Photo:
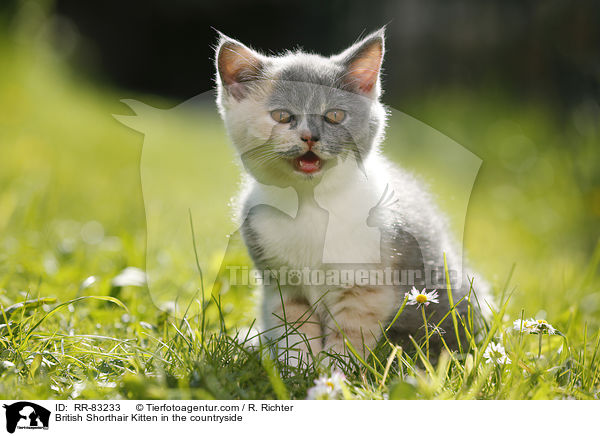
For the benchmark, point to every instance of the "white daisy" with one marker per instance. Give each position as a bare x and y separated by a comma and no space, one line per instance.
496,353
421,297
522,325
327,388
534,326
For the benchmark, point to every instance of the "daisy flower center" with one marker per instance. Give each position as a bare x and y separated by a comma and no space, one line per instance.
330,385
421,298
542,321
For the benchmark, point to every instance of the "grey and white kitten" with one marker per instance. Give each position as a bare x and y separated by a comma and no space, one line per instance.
320,198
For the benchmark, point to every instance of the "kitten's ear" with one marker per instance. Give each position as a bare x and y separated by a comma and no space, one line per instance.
236,66
362,63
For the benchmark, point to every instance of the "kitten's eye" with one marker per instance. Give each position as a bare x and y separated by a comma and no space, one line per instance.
281,116
335,116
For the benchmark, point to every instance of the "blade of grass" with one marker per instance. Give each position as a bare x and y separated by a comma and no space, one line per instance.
75,300
451,302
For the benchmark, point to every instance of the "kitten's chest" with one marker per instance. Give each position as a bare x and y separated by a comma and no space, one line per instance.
283,240
333,233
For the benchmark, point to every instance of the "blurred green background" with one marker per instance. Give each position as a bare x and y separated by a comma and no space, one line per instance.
520,96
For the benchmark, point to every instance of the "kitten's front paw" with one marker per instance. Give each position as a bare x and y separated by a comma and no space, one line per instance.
248,338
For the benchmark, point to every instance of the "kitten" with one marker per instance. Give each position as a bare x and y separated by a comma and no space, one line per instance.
321,199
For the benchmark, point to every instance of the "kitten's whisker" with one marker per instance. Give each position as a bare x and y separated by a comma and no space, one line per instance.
382,196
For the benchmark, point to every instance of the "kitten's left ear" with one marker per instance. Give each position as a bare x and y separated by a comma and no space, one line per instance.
362,63
237,65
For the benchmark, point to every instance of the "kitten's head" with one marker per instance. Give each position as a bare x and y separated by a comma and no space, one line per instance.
293,117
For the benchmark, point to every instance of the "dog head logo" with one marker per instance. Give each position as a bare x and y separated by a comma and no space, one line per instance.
24,414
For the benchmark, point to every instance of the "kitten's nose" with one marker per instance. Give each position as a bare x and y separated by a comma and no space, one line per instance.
309,138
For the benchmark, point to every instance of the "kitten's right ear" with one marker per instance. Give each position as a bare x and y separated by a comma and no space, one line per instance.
236,66
362,64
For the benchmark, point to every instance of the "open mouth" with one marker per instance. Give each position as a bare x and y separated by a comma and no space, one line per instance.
308,163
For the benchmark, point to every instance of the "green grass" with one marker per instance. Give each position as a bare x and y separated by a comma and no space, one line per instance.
71,207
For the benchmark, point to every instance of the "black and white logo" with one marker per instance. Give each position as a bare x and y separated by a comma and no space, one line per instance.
26,415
